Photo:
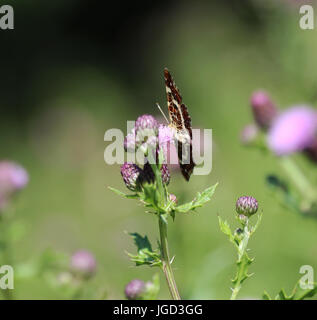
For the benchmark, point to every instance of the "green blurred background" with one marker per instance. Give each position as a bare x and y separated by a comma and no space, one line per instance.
73,69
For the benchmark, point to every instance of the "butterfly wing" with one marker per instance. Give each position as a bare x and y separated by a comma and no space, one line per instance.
181,121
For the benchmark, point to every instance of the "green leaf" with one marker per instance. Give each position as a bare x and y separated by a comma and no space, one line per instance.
122,194
145,255
141,242
150,196
199,201
298,293
266,296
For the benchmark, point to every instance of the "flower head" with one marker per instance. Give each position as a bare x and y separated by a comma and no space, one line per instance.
246,206
264,110
12,179
134,289
293,130
146,122
165,139
132,176
83,262
146,131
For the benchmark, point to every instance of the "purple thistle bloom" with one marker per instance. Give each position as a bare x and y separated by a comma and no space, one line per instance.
131,175
246,206
149,174
293,130
84,262
12,179
146,130
165,139
134,289
249,134
264,110
146,121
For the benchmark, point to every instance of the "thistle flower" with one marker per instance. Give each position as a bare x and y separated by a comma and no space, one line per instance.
146,130
134,289
165,139
12,179
146,122
132,176
246,206
293,130
83,262
249,134
149,175
264,110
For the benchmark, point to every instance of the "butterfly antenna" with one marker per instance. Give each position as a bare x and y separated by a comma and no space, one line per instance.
162,113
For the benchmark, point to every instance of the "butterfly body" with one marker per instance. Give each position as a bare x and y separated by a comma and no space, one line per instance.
180,121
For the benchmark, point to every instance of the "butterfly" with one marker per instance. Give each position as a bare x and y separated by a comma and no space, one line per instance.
180,121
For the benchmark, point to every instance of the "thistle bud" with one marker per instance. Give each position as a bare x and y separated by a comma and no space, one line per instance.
264,110
134,289
246,206
132,175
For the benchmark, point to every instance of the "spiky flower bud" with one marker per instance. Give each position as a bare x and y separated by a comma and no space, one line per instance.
134,289
264,110
132,176
149,175
246,206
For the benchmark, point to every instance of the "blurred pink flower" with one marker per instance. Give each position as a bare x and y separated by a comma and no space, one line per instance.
84,262
263,108
13,178
249,134
293,130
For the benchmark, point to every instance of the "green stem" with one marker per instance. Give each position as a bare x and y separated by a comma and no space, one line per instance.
242,263
167,268
6,250
299,179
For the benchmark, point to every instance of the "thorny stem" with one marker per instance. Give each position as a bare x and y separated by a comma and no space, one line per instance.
167,268
299,179
242,262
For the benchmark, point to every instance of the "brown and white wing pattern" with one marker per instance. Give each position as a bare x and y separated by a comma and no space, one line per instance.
181,122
